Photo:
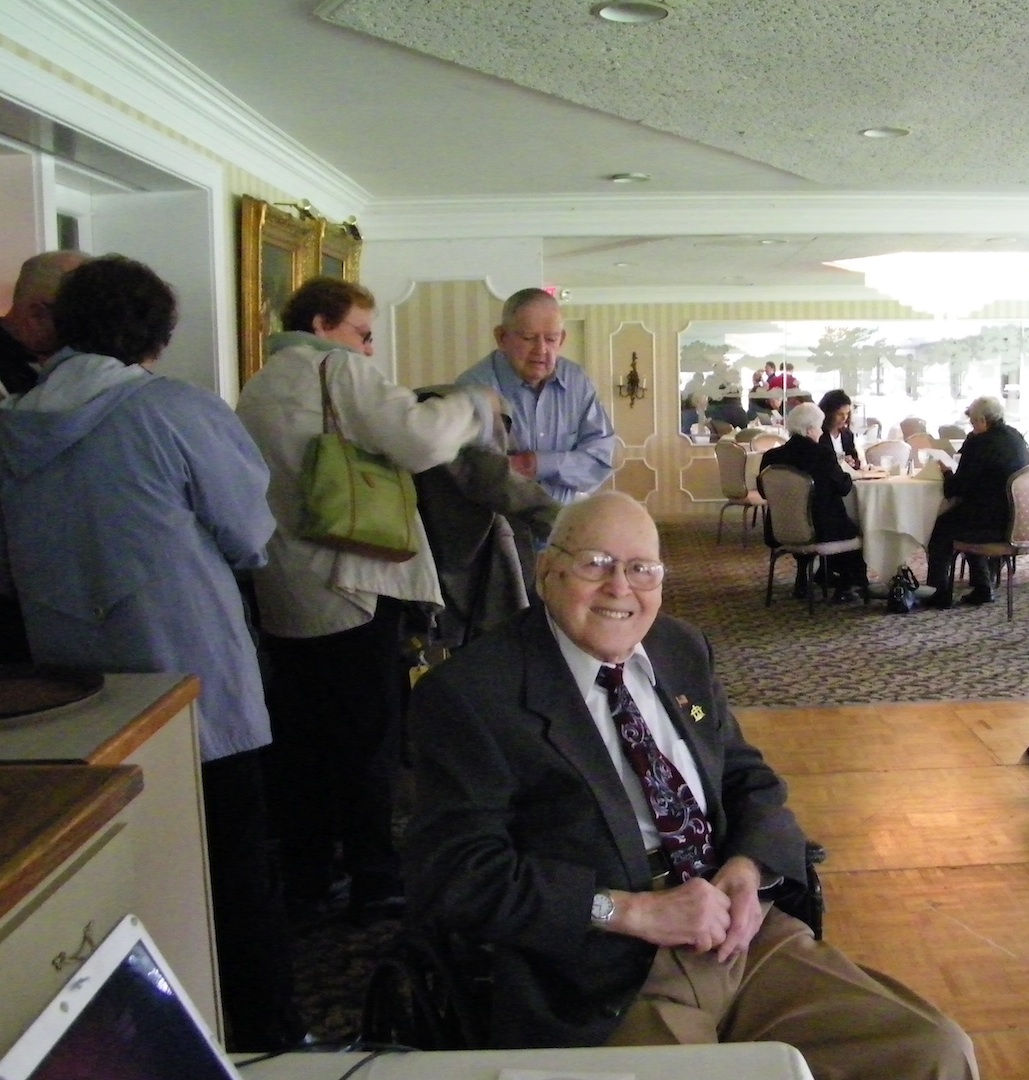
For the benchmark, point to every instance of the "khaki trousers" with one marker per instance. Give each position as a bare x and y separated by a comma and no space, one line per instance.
850,1023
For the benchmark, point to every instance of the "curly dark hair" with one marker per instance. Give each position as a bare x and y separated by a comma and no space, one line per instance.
832,401
116,307
329,297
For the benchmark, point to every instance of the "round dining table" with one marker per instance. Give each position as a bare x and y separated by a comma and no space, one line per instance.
896,515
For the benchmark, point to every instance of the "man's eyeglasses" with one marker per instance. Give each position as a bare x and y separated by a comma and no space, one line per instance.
592,565
366,335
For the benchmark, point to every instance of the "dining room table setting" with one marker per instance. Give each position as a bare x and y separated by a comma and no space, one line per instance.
895,512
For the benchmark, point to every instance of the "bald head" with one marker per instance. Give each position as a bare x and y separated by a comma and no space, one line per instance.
29,319
600,576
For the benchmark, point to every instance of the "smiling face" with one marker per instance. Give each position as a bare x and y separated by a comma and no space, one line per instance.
532,341
606,618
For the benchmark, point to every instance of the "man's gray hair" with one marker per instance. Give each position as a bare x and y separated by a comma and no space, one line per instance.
989,409
522,299
41,274
802,418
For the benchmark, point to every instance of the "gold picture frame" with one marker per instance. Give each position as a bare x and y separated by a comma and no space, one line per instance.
278,252
339,250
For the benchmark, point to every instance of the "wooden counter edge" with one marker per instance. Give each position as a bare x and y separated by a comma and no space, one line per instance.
72,804
152,719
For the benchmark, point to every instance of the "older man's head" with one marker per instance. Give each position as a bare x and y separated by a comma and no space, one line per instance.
805,419
984,412
29,320
600,577
530,335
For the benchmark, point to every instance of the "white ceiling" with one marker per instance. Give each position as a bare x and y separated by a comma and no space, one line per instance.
746,114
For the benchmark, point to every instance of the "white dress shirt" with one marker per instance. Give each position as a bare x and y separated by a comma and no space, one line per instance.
638,675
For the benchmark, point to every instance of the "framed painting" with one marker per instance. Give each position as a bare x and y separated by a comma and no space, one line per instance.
278,252
340,250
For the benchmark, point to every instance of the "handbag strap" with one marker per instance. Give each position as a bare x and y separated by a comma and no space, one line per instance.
330,417
908,577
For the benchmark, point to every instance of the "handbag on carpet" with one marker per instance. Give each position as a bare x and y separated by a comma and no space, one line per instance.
900,598
353,500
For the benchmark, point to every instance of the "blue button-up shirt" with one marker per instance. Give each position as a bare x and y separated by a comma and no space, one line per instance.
563,424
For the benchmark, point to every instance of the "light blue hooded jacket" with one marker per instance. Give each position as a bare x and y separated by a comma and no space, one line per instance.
127,501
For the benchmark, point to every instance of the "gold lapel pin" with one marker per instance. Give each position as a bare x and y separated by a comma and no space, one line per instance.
697,713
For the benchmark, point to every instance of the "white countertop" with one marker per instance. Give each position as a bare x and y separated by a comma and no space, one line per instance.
725,1061
74,732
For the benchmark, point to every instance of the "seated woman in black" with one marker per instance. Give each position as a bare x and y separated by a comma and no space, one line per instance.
836,427
805,452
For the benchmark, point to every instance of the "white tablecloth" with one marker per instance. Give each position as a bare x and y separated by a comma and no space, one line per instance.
896,516
727,1061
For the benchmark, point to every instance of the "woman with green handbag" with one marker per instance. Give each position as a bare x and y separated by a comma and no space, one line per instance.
331,617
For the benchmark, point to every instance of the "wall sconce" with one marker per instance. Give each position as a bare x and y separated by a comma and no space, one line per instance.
631,385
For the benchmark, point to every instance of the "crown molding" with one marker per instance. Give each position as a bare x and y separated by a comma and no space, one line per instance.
94,41
711,214
722,294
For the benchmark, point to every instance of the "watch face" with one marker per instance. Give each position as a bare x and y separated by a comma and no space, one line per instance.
603,907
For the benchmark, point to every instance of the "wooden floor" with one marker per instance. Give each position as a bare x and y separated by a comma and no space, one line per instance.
924,810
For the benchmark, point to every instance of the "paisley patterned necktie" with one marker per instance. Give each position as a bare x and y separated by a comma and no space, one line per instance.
684,830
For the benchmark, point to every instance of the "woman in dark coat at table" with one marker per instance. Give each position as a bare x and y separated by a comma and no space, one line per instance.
805,451
836,433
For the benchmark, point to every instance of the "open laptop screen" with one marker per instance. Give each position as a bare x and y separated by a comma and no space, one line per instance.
122,1016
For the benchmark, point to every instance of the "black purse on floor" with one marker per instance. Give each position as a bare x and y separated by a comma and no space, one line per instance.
900,598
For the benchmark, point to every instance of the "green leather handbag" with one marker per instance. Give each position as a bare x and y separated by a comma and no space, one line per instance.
353,500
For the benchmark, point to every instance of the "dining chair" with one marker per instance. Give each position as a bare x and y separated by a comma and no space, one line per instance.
732,474
765,440
919,440
720,428
922,440
910,424
788,492
873,429
1017,541
952,431
896,449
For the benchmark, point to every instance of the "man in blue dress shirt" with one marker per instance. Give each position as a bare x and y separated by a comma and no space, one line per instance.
560,432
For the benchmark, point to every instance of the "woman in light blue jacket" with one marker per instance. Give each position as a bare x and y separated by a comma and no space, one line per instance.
128,502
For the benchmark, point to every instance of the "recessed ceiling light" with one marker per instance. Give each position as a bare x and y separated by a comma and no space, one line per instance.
631,11
629,177
623,264
768,242
884,132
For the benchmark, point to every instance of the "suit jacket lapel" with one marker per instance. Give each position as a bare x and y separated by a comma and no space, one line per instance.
551,692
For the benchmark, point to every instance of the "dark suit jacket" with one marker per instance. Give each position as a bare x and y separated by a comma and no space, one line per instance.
981,481
831,484
846,439
520,817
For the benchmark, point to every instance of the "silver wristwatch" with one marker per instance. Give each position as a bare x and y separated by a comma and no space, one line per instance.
603,909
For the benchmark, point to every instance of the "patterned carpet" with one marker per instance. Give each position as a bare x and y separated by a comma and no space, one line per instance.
777,656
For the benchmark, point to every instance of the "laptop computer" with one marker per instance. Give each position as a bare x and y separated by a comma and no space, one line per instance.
122,1014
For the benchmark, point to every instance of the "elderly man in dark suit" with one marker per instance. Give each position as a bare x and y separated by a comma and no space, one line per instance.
587,803
831,521
989,455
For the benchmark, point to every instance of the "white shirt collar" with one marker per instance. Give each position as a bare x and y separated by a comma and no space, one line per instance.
584,667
